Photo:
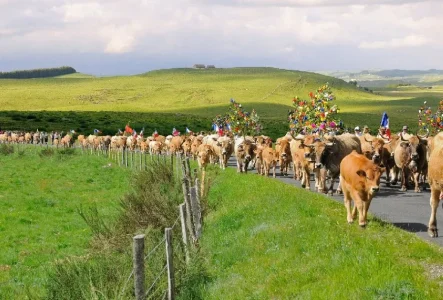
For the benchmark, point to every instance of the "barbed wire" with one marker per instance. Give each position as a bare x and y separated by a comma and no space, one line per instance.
175,223
155,248
126,282
156,279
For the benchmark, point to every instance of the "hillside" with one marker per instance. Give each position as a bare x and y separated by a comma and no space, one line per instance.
199,93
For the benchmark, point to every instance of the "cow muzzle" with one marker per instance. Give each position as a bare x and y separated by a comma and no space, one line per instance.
414,156
224,152
375,189
248,157
307,155
318,166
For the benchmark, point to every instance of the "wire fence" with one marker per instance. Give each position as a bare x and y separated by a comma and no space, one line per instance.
190,218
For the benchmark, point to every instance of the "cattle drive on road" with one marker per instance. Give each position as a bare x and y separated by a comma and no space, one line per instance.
359,161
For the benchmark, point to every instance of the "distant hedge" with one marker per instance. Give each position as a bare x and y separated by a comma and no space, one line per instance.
37,73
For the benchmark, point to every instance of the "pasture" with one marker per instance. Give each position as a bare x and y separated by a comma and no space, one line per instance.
39,223
196,96
267,240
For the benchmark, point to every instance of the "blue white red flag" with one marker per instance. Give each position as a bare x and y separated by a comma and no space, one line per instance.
187,130
385,123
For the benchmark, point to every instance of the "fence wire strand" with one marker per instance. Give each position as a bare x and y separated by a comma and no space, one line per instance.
156,279
176,222
126,282
155,248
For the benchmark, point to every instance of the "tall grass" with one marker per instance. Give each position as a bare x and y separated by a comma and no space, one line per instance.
149,207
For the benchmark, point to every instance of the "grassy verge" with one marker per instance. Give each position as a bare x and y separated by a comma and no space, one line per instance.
267,240
39,199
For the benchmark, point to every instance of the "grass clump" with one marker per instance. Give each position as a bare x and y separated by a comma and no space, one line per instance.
148,208
6,149
47,152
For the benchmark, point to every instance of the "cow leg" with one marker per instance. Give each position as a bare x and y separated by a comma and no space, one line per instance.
404,179
331,186
239,166
416,182
360,205
273,169
435,200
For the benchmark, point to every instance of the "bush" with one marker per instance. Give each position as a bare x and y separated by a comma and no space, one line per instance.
6,149
46,152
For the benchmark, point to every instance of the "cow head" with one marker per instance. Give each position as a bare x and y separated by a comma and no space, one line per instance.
225,146
322,152
377,146
413,143
284,149
371,178
248,148
204,153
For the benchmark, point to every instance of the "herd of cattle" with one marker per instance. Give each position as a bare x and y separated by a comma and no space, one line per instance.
358,162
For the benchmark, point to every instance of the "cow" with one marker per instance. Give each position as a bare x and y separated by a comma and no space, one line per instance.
186,146
196,142
376,149
435,177
283,152
203,156
329,154
225,150
268,160
410,156
244,152
175,145
392,172
302,157
360,180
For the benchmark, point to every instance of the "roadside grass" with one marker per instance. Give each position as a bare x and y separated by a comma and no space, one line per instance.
39,223
267,240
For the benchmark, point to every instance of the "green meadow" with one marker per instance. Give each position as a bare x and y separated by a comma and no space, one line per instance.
188,97
264,239
40,196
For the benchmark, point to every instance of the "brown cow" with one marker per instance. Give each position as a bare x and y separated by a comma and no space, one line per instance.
269,160
410,156
186,146
203,156
283,152
195,145
175,145
329,154
302,157
360,180
225,150
244,152
435,175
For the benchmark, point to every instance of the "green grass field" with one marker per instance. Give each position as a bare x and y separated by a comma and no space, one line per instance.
268,240
199,94
39,222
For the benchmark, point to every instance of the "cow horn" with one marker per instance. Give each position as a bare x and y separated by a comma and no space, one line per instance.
299,137
368,141
423,136
329,144
387,141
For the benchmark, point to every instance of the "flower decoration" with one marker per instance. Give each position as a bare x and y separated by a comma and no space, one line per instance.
240,121
315,114
430,121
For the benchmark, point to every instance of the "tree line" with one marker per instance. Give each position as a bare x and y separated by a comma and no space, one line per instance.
38,73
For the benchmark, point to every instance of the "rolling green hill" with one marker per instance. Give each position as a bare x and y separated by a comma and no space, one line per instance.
200,94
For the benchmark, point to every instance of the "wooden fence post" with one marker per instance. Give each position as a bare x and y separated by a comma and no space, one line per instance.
184,234
187,197
169,263
139,266
196,211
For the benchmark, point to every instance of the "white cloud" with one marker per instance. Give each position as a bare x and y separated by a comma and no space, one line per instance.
274,30
408,41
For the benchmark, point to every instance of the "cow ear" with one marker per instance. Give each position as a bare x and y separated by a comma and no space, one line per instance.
361,173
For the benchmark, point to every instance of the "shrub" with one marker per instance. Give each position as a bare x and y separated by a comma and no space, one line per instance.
6,149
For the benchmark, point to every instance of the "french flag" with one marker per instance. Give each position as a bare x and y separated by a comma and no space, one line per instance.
385,123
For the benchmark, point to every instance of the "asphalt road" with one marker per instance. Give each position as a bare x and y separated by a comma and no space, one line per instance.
409,210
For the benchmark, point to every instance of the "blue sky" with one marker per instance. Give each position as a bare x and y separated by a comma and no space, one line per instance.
133,36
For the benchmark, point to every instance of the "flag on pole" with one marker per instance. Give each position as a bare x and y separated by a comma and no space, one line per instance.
141,132
96,131
385,123
155,134
134,133
175,132
128,129
187,130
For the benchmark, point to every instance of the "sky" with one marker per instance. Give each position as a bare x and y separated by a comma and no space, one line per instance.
111,37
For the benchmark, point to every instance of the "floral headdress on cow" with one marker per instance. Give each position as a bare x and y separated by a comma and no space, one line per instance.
318,114
427,121
242,122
